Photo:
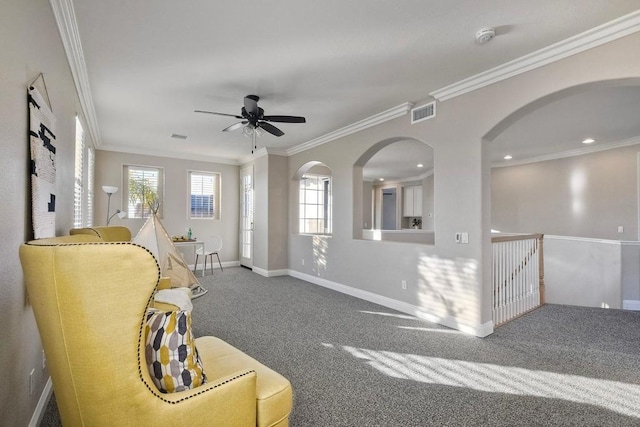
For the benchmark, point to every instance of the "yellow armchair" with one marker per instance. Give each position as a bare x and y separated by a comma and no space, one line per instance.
89,299
112,233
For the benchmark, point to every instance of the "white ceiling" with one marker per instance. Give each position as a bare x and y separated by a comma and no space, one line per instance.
399,162
151,63
609,115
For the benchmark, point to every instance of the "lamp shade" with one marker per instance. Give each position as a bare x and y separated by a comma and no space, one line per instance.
109,189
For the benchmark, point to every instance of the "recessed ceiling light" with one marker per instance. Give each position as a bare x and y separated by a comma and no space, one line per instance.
381,179
420,165
508,157
588,141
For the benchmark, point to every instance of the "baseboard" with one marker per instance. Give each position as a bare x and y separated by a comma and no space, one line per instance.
216,266
230,264
270,273
630,304
41,407
479,330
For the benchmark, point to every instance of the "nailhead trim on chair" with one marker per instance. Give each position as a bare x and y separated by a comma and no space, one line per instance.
204,388
153,391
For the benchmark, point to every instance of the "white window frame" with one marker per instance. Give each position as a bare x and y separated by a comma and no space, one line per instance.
89,199
83,178
134,212
79,212
216,193
322,208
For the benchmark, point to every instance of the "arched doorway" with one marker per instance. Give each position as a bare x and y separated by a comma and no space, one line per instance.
572,173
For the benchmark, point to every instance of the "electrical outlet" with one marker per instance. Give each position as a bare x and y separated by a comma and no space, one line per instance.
404,284
31,382
302,261
620,229
464,238
458,237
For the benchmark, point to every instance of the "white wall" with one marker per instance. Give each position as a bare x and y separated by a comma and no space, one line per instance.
278,212
583,196
367,205
441,281
428,205
630,275
271,212
175,219
30,44
449,281
583,272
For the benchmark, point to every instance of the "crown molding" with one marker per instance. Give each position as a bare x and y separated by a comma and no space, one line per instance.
420,177
68,28
569,153
613,30
262,152
376,119
276,151
170,154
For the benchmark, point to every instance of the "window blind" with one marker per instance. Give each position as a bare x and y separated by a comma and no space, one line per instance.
203,193
78,176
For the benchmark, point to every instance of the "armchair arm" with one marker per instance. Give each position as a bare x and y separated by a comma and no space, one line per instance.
112,233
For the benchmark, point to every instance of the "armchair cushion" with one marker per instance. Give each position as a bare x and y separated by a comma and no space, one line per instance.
171,353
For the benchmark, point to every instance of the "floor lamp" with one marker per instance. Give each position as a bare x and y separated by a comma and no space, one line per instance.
109,190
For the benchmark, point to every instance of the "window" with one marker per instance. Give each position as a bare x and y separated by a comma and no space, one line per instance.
91,167
78,187
315,204
83,180
204,195
143,188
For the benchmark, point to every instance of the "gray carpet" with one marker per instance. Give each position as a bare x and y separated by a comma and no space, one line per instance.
354,363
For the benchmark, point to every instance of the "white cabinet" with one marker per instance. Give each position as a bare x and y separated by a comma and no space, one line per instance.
412,201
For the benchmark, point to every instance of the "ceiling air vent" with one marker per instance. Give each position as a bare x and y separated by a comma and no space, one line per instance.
178,136
424,112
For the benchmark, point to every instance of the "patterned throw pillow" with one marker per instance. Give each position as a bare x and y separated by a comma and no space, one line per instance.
171,352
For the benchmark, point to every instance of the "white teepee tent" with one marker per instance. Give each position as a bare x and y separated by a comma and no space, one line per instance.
154,237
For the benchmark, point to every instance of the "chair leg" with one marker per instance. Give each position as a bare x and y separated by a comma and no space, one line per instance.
218,260
195,265
211,264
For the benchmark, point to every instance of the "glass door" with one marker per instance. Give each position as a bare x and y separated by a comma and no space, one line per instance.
246,217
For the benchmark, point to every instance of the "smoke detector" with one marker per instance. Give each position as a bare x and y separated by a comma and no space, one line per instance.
485,35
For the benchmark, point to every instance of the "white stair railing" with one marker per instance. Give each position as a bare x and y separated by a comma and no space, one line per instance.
517,276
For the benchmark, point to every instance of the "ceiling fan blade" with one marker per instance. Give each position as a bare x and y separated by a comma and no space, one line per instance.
270,128
218,114
251,104
235,126
285,119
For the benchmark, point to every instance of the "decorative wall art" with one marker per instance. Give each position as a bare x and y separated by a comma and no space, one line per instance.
42,138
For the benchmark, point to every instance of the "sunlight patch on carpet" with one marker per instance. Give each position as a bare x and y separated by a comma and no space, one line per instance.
617,396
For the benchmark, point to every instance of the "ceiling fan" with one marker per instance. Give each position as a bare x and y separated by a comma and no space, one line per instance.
253,117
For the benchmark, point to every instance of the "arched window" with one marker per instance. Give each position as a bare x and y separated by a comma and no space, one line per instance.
314,199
